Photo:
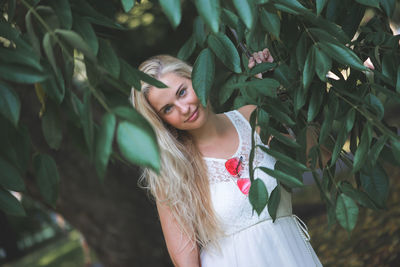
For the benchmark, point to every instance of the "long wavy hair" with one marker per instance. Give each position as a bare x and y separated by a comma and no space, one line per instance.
182,183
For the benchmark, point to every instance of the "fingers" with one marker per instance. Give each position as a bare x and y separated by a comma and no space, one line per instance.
252,63
259,57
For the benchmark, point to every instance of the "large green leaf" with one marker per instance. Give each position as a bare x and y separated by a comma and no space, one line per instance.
309,68
199,30
270,21
47,177
258,195
187,49
54,86
343,55
323,63
10,106
340,140
284,159
76,41
315,104
127,5
273,202
172,8
203,75
265,87
262,67
360,196
84,28
346,212
48,50
226,90
63,12
209,10
283,177
31,32
138,145
376,183
371,3
129,75
148,79
52,126
225,50
320,5
108,58
389,6
21,74
290,6
9,204
10,177
104,143
245,10
362,149
23,55
376,105
376,149
330,113
301,51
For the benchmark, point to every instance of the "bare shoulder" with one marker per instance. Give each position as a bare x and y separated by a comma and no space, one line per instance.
247,110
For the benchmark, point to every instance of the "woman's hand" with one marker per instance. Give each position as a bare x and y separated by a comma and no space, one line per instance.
259,57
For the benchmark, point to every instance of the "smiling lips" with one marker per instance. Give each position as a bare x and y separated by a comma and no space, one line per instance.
194,116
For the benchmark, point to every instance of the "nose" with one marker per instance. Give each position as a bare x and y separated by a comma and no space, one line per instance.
183,107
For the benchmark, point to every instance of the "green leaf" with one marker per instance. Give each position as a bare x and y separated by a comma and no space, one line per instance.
93,16
282,138
398,80
395,148
21,74
172,8
187,49
376,105
376,183
209,10
52,126
262,67
350,119
376,149
104,143
315,104
10,106
148,79
389,6
273,202
346,212
76,41
129,75
323,63
84,28
47,177
371,3
290,6
245,11
203,75
271,22
63,12
227,90
284,159
320,5
108,58
31,32
138,144
309,68
9,204
343,55
127,5
263,118
265,87
54,86
199,31
10,178
361,197
283,177
362,149
258,195
330,113
48,50
340,140
301,51
225,50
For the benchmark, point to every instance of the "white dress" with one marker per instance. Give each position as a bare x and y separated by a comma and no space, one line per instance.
251,240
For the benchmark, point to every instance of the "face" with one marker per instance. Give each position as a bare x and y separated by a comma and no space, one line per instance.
178,104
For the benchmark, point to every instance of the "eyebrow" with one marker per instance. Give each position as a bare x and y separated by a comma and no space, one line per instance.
176,93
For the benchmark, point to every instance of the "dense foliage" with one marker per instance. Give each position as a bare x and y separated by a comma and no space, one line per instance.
58,49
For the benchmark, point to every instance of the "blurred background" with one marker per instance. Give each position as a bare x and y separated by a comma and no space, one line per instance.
45,238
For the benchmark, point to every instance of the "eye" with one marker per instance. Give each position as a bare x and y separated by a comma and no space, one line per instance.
182,92
167,109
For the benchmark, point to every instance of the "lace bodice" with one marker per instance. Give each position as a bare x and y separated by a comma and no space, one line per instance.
231,206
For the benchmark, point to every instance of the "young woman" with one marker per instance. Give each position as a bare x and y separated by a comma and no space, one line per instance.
202,189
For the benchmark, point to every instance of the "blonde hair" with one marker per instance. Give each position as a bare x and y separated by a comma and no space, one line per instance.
182,183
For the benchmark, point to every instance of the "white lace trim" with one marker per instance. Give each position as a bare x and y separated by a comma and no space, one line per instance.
216,167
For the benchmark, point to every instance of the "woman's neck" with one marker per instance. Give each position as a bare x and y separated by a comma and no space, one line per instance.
212,129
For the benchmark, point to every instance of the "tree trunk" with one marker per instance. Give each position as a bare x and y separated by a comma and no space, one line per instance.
117,218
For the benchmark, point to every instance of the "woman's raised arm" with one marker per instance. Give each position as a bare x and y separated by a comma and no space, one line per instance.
182,249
